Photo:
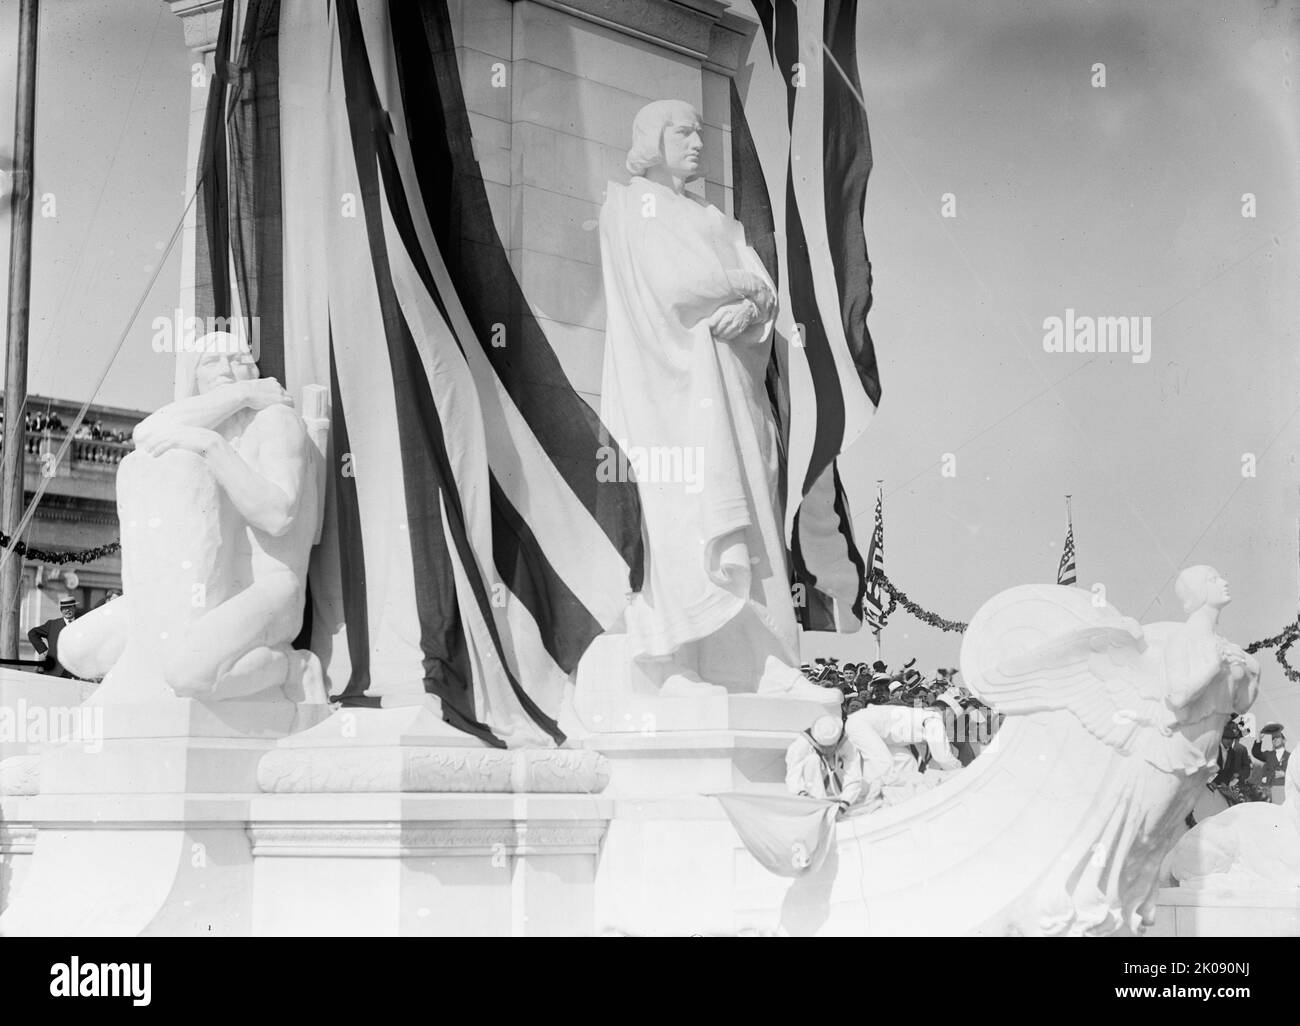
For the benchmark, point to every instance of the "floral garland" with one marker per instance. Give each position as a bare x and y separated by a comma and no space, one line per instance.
1283,642
899,597
60,558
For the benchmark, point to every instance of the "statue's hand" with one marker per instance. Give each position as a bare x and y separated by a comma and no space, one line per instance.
1230,654
730,321
199,441
752,287
260,393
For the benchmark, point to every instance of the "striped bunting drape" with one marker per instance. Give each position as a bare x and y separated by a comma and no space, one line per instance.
800,186
469,551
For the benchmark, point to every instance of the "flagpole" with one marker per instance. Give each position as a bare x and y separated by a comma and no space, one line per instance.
880,499
20,287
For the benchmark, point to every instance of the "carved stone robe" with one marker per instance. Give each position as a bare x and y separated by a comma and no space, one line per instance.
715,546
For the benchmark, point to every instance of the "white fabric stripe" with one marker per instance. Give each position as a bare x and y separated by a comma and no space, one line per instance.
457,400
462,420
766,93
366,387
495,703
305,51
577,548
458,411
806,146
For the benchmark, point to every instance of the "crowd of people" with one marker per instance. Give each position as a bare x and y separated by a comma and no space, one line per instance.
40,424
899,733
39,421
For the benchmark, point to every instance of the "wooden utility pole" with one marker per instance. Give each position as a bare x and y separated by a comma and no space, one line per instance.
20,288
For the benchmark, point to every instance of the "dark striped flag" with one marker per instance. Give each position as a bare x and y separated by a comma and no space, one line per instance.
469,551
873,605
1065,572
801,156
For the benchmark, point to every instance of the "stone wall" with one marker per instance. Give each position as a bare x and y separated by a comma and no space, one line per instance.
552,89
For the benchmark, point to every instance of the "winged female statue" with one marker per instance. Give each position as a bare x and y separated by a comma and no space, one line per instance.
1155,698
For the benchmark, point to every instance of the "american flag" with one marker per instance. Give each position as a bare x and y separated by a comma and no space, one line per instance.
872,607
1065,572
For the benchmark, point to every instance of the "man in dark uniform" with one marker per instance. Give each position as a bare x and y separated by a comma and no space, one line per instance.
45,638
1233,777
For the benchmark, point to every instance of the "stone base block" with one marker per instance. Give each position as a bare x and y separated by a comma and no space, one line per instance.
141,865
176,746
1193,912
35,707
612,713
426,865
691,763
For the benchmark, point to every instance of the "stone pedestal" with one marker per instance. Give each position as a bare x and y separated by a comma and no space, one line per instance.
143,832
1196,912
663,746
34,708
426,865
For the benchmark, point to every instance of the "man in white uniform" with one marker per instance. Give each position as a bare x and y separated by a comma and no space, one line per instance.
884,736
823,763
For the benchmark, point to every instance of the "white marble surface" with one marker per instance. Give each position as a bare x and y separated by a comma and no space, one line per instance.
1251,846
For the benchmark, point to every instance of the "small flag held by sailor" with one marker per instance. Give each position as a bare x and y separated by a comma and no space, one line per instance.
872,606
1065,572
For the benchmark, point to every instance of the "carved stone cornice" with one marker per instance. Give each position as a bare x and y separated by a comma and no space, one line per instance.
368,839
396,768
200,21
729,43
705,30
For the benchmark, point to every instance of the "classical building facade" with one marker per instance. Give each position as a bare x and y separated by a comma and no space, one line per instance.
78,509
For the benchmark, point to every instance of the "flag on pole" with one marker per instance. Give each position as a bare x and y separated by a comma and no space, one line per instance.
801,156
873,606
1065,573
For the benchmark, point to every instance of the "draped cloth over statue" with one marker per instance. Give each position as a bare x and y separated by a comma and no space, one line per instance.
672,394
468,554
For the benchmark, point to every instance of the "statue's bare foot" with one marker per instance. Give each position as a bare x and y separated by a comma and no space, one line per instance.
680,685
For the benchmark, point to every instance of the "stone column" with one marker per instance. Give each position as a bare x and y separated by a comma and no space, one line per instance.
200,20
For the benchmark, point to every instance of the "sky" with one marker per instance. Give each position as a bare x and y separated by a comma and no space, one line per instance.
1124,200
112,115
